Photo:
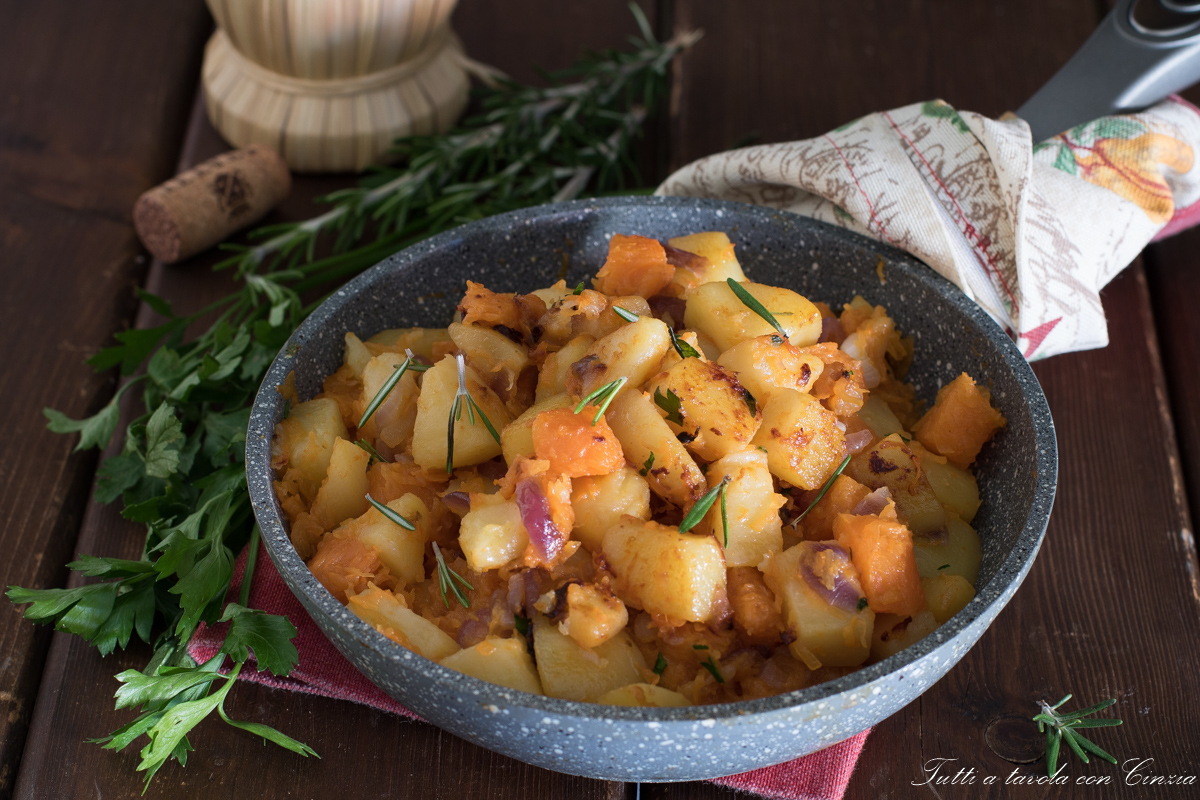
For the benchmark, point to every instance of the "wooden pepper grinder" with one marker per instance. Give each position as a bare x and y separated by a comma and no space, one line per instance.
330,83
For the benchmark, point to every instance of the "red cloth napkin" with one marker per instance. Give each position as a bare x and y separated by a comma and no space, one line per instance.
324,671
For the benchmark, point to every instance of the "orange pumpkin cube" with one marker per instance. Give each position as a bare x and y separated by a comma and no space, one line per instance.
960,423
635,265
573,445
842,497
882,552
344,566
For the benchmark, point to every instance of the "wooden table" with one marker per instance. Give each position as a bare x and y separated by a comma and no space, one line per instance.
98,104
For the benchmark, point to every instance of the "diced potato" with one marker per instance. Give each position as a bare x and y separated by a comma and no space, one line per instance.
752,508
891,463
576,445
755,613
715,311
960,423
594,615
894,632
505,662
552,294
601,501
473,444
716,247
397,340
304,442
824,634
767,363
646,695
357,355
714,407
955,488
393,421
632,351
946,595
635,265
402,551
804,446
673,575
573,672
388,614
497,359
843,496
516,439
952,552
882,421
643,433
882,552
552,380
343,494
492,534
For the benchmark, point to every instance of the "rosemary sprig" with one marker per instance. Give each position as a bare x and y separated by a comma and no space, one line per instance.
447,578
376,401
697,512
603,397
684,349
752,303
713,669
391,515
628,316
366,446
463,398
1064,727
824,489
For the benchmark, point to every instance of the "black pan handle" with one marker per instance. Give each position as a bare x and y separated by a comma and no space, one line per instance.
1143,51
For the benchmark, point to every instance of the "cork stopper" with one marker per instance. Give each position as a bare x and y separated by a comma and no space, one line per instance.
200,207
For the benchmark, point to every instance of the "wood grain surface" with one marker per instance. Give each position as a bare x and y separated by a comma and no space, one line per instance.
1109,608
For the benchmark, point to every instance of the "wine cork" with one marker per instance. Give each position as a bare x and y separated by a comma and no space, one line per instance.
200,207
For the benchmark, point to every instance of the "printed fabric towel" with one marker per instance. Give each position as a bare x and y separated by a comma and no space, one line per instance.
326,672
1032,233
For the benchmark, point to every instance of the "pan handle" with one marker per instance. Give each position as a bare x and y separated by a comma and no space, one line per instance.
1143,51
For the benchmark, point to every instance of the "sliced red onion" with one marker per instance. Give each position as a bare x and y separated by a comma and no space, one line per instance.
844,595
546,538
682,258
873,503
857,442
673,307
494,469
832,330
458,502
388,453
471,633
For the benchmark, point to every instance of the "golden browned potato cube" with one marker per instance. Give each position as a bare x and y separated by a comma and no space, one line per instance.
594,615
473,444
505,662
304,442
573,672
894,633
632,351
402,551
715,311
343,494
955,488
388,614
946,595
803,443
356,355
714,409
397,340
716,247
954,551
393,421
646,695
767,363
489,352
892,464
600,502
678,576
642,432
491,533
751,505
552,380
824,634
516,438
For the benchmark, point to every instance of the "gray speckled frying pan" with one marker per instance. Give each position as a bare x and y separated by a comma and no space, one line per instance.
534,247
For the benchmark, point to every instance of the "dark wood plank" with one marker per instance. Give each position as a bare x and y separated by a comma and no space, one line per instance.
376,752
85,126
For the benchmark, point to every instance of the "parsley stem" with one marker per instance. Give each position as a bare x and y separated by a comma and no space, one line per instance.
251,563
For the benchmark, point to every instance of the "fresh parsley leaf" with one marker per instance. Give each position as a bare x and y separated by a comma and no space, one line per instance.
117,475
163,435
751,403
660,665
141,689
94,431
713,669
578,288
269,635
682,347
646,467
133,610
520,624
862,603
669,403
97,567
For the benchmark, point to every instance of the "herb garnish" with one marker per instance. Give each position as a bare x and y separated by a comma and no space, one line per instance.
628,316
1064,727
821,494
751,403
713,669
697,512
862,603
699,647
604,397
392,516
463,398
751,303
660,665
578,289
521,624
943,566
669,403
366,446
646,467
390,383
447,578
682,347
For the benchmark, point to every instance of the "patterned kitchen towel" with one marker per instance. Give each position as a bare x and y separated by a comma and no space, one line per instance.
1030,232
326,672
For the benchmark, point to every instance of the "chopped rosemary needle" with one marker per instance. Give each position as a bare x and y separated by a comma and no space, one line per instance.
363,444
660,665
1064,727
409,363
943,566
628,316
463,398
447,578
697,512
752,303
713,669
684,349
699,647
824,489
390,514
602,397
